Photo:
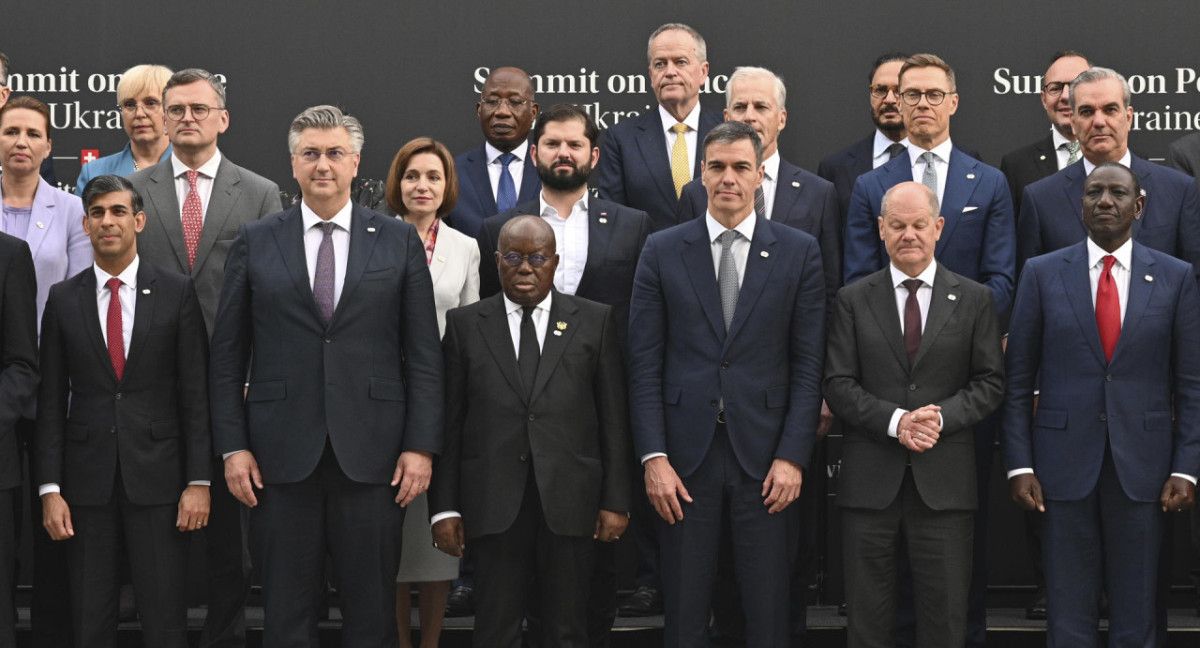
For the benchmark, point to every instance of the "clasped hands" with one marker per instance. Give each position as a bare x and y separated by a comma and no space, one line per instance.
920,429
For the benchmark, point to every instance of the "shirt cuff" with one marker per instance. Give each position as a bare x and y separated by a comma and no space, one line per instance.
444,515
1187,477
650,455
1022,471
53,488
895,422
200,482
230,454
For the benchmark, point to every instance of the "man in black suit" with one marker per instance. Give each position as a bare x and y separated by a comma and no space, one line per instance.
18,382
538,457
646,161
500,173
886,142
330,307
123,445
914,361
195,203
1060,148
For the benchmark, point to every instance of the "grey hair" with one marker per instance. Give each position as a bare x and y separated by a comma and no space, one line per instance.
192,75
325,118
747,72
1094,74
701,48
935,209
731,132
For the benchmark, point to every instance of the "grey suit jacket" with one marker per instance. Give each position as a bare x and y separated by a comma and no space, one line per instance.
238,197
959,367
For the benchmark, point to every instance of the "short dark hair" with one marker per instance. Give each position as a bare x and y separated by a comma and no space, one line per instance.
1137,182
192,75
566,112
29,103
106,184
395,197
1065,53
731,132
886,58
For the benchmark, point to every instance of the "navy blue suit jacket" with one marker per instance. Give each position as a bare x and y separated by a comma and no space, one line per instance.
475,198
978,240
635,170
803,201
1052,213
1086,402
767,366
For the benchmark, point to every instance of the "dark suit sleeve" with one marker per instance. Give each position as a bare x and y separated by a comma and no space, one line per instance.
489,275
1177,159
191,349
1029,231
687,209
612,404
19,357
997,263
1022,360
610,174
985,384
1189,227
230,354
1186,381
444,487
421,353
861,256
831,246
53,394
844,392
806,358
647,342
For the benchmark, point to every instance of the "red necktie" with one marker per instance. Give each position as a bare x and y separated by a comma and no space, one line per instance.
1108,309
116,334
193,218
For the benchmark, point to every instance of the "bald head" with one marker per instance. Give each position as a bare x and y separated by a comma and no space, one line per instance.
529,241
506,108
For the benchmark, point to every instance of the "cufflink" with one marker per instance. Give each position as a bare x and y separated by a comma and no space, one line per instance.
970,176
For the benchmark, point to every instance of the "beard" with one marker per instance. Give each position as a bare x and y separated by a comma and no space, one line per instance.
887,127
577,178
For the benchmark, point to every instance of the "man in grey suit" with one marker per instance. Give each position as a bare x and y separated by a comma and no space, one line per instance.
194,205
913,362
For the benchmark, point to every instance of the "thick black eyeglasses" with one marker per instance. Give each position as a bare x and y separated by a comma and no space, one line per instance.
535,260
934,97
1054,88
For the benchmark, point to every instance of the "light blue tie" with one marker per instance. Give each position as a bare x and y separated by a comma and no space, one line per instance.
506,191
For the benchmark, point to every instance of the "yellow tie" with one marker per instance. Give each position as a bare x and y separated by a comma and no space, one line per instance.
680,172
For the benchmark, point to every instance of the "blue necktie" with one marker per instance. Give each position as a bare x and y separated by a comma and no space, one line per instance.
506,191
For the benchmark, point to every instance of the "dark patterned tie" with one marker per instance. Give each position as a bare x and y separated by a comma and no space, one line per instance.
323,281
912,320
116,332
530,352
895,150
727,278
760,203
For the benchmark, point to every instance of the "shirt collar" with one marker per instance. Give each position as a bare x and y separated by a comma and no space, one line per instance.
926,275
1058,138
493,153
941,151
581,204
771,167
341,219
511,306
692,120
208,169
128,276
1126,161
745,228
882,143
1124,253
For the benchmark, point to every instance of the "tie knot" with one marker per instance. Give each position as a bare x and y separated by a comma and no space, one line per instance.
1109,260
680,128
192,176
928,157
113,284
327,227
1072,147
895,150
912,285
506,158
527,312
727,238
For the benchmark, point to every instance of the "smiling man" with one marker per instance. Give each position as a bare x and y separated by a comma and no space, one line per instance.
1101,119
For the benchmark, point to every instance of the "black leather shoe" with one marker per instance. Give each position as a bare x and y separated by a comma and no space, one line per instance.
1036,611
644,601
461,602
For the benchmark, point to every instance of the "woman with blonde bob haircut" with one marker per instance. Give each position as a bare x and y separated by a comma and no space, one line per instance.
139,96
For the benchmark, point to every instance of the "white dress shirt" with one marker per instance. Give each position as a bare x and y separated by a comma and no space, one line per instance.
515,312
1125,161
341,245
770,182
924,297
571,242
691,136
516,168
941,164
204,182
879,149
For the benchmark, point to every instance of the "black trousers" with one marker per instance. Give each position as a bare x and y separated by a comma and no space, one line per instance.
228,557
8,566
358,525
50,602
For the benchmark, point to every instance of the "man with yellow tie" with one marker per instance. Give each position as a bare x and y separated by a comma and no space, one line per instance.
646,161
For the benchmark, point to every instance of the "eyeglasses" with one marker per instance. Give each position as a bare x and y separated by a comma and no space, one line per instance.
535,260
312,155
1054,88
151,106
934,97
199,111
881,91
494,103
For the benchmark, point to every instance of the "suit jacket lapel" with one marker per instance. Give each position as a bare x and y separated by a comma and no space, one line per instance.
1046,161
960,184
1078,287
91,319
1073,188
438,265
480,182
651,144
882,303
165,201
493,326
289,238
225,192
1145,173
559,330
43,203
1141,290
941,307
530,183
864,162
787,189
362,241
599,236
698,260
759,265
143,313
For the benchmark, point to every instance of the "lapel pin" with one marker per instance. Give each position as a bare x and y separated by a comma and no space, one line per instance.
764,254
1042,157
1149,278
41,225
603,220
370,229
952,297
796,184
441,258
558,333
145,291
970,176
562,326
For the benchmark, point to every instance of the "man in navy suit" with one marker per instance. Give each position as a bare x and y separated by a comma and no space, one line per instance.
726,343
645,161
330,307
500,173
1107,329
1101,119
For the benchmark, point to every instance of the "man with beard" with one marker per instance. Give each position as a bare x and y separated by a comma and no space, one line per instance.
598,244
499,174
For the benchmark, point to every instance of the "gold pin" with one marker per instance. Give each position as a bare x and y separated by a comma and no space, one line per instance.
562,326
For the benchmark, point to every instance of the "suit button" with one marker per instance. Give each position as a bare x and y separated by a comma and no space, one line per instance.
531,417
112,430
118,396
524,457
1104,417
724,365
912,388
328,340
1108,378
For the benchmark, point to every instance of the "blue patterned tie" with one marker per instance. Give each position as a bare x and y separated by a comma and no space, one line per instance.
506,191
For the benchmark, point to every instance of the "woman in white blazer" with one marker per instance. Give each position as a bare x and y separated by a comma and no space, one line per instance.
422,188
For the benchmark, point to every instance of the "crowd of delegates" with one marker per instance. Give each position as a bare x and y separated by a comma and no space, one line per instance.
465,389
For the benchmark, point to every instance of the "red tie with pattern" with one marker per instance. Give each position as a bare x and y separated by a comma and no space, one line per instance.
193,217
116,334
1108,309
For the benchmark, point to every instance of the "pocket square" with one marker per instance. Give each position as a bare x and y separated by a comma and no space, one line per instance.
969,209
